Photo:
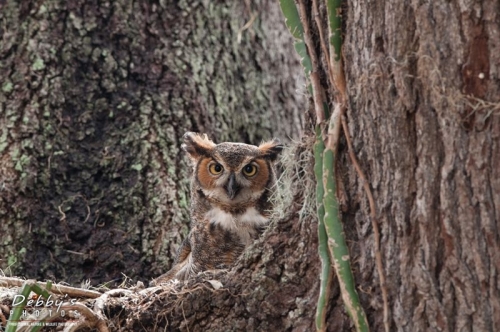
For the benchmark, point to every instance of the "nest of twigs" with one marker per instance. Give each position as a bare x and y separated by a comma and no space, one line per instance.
64,308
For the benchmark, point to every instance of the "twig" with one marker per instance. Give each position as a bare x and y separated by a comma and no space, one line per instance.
91,318
316,84
317,18
307,35
75,327
63,218
100,302
184,315
56,288
373,217
253,16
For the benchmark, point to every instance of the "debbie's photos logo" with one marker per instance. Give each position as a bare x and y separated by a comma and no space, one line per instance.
40,311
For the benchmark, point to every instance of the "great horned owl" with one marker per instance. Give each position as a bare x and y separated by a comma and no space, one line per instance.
230,205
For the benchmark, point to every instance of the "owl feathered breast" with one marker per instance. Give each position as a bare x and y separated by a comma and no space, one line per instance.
230,192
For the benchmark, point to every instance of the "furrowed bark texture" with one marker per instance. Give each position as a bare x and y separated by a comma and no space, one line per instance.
94,99
424,115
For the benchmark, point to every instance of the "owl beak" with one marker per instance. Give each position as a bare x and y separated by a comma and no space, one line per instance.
232,186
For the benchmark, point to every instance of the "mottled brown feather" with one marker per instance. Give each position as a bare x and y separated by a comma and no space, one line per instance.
271,149
197,145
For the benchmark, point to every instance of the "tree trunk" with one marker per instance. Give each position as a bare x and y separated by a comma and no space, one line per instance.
94,100
424,115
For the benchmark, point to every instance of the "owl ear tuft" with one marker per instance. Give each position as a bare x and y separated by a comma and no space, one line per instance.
197,145
271,149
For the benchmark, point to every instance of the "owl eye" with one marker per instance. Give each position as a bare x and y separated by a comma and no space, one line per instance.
249,170
215,168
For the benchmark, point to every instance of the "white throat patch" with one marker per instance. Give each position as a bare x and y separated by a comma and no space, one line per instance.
242,224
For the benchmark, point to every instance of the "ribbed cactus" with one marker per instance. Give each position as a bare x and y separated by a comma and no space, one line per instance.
332,245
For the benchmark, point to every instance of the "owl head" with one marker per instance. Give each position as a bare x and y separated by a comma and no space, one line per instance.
231,172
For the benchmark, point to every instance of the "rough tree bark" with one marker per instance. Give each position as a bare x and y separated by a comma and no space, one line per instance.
424,111
424,115
95,97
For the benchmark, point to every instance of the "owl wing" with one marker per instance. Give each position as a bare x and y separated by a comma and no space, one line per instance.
181,260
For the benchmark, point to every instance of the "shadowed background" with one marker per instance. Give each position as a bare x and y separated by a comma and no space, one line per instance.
95,98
